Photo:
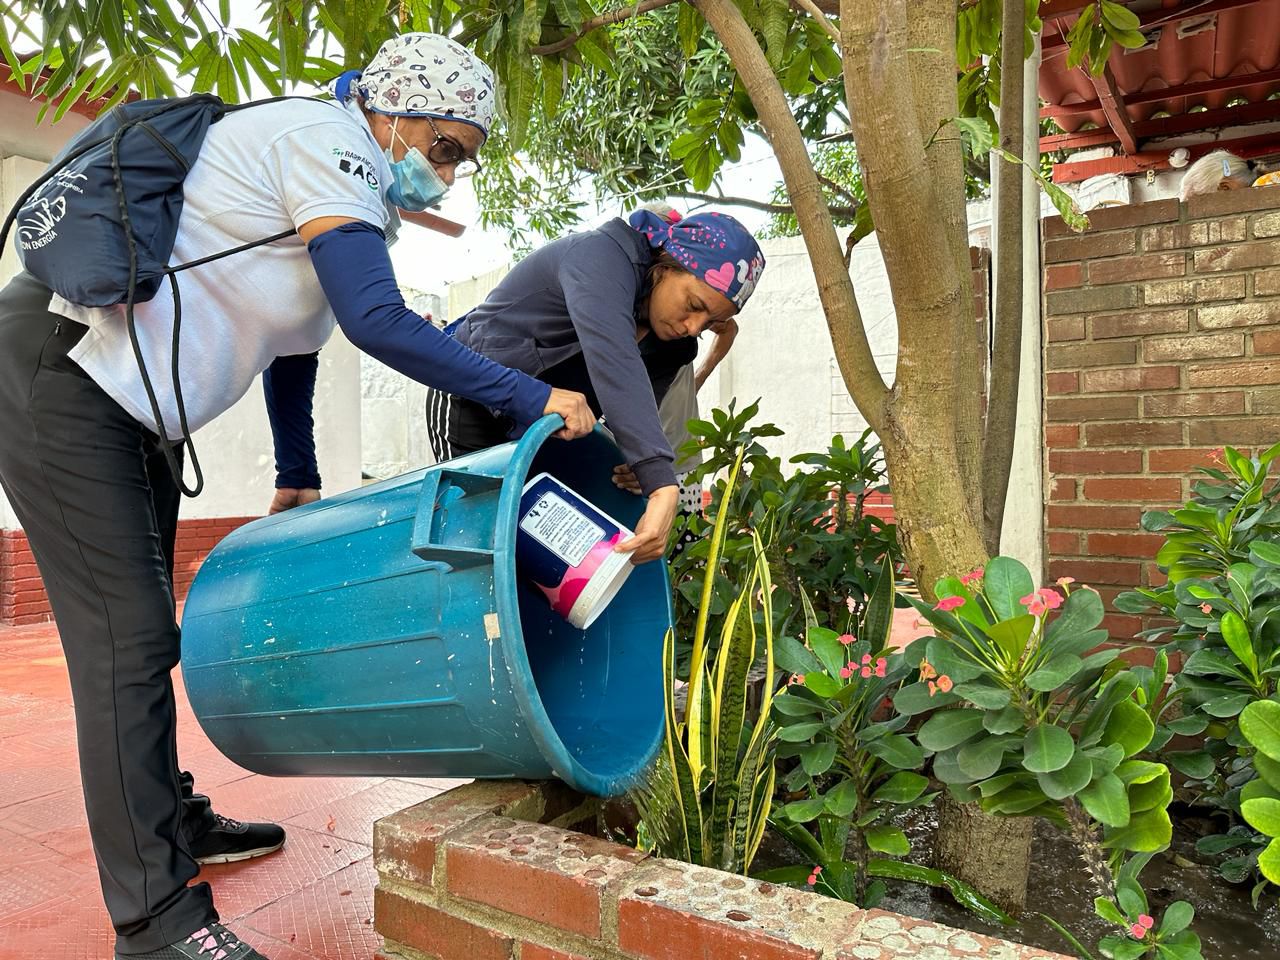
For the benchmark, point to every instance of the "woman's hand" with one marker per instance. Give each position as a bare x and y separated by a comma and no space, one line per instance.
573,407
287,498
624,478
654,528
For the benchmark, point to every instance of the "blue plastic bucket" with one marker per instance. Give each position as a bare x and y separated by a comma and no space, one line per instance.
388,632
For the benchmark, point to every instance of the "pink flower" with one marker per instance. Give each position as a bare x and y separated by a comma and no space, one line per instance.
847,638
1146,922
943,685
1034,604
947,604
1052,598
817,870
881,664
972,577
927,672
851,604
797,678
1136,931
866,658
813,879
846,672
1217,455
865,671
1066,581
1205,608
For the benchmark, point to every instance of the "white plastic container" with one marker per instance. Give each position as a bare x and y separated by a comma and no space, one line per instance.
564,547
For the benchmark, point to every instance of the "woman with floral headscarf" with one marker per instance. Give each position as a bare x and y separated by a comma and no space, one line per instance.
85,469
614,313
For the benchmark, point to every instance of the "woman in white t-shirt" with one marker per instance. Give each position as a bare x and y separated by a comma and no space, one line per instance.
84,466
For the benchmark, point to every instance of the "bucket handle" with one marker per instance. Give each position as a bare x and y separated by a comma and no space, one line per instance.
428,533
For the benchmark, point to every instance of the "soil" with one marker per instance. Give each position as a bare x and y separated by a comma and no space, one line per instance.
1228,925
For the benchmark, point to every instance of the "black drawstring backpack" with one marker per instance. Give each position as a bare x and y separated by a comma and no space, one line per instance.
99,225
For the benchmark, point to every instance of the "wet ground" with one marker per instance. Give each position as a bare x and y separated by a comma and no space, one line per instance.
1228,925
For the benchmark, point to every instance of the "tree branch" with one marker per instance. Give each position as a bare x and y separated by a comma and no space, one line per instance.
603,20
812,8
837,188
835,289
1002,409
778,208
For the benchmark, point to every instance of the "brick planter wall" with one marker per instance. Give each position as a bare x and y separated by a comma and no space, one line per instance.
1162,343
492,871
22,596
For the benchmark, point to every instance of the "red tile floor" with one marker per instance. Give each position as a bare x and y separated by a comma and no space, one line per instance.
311,901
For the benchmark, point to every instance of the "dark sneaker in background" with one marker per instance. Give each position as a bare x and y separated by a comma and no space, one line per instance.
229,841
214,942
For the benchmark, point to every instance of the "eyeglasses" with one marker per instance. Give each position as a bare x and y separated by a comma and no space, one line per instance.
449,152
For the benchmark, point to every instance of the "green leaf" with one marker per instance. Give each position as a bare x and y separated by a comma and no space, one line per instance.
914,698
520,89
965,895
1269,862
1068,781
1146,832
1106,800
1120,17
1080,613
802,811
1264,553
689,28
1195,764
842,799
790,705
950,728
794,657
887,839
1005,581
984,695
818,758
1263,814
821,684
1055,673
1236,634
1130,727
1260,723
950,662
1047,748
896,750
1177,917
981,758
1109,912
1268,770
1226,705
1007,720
1012,636
799,732
902,787
826,644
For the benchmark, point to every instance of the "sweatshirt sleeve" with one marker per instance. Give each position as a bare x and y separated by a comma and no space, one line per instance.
356,274
599,286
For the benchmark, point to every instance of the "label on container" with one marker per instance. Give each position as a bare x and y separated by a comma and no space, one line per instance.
561,528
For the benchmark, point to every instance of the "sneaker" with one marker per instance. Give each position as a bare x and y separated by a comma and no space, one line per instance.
229,841
214,942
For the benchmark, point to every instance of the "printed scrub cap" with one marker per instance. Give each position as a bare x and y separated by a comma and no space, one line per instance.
712,246
424,74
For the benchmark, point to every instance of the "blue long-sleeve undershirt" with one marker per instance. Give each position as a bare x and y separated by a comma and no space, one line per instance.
289,385
357,277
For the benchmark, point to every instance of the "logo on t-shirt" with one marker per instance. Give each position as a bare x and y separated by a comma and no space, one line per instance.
359,167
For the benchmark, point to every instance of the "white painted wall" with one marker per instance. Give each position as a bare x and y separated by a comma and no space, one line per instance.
236,451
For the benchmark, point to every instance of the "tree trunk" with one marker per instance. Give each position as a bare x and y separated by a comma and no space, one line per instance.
1006,365
991,853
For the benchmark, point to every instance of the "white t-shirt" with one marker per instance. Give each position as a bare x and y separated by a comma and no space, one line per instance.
261,171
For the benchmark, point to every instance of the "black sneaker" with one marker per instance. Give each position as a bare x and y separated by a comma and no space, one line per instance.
214,942
230,840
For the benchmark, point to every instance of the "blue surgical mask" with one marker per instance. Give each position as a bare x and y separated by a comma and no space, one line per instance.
415,185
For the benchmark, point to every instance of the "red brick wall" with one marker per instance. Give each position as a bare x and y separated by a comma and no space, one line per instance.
22,596
1162,343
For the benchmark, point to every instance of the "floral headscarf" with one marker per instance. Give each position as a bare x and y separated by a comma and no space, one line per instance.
712,246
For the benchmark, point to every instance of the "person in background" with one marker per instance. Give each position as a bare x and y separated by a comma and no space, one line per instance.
86,472
1222,170
614,313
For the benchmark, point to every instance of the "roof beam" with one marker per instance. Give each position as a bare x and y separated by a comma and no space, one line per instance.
1168,93
1245,147
1113,109
1146,20
1260,112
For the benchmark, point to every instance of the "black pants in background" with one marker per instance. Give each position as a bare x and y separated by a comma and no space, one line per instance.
93,492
